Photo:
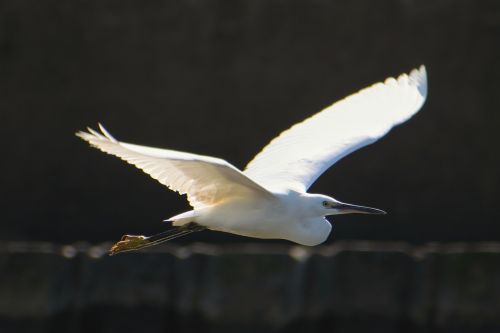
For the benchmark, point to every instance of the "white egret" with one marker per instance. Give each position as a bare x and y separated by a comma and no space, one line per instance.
269,198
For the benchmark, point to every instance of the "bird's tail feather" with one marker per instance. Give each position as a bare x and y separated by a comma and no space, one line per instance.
134,242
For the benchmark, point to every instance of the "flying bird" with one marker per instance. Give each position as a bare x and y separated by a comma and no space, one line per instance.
269,198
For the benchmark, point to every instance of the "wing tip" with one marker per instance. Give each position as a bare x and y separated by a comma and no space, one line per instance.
418,77
92,135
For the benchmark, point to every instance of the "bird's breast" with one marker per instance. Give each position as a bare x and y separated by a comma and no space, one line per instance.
311,232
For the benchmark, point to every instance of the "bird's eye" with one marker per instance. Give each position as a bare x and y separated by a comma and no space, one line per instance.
326,204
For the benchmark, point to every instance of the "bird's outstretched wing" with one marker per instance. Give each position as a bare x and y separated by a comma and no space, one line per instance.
206,180
299,155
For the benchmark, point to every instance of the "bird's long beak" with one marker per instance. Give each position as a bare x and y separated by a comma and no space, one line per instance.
344,208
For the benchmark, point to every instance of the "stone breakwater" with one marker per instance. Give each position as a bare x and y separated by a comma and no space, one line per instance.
347,287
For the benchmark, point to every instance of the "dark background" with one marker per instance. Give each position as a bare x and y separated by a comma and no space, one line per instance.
222,78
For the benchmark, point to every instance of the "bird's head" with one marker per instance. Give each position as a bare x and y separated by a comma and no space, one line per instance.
326,205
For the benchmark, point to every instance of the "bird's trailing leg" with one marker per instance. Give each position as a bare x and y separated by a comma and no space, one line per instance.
136,242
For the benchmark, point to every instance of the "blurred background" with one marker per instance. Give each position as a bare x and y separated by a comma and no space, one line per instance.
223,78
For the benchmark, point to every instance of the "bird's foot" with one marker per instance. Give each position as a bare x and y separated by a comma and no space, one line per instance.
129,243
133,242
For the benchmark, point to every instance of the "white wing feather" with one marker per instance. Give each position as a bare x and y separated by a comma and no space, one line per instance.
206,180
299,155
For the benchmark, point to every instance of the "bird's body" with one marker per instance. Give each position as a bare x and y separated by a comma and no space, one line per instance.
269,198
284,216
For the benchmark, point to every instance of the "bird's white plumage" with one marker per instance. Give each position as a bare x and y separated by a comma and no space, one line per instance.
299,155
206,180
269,199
